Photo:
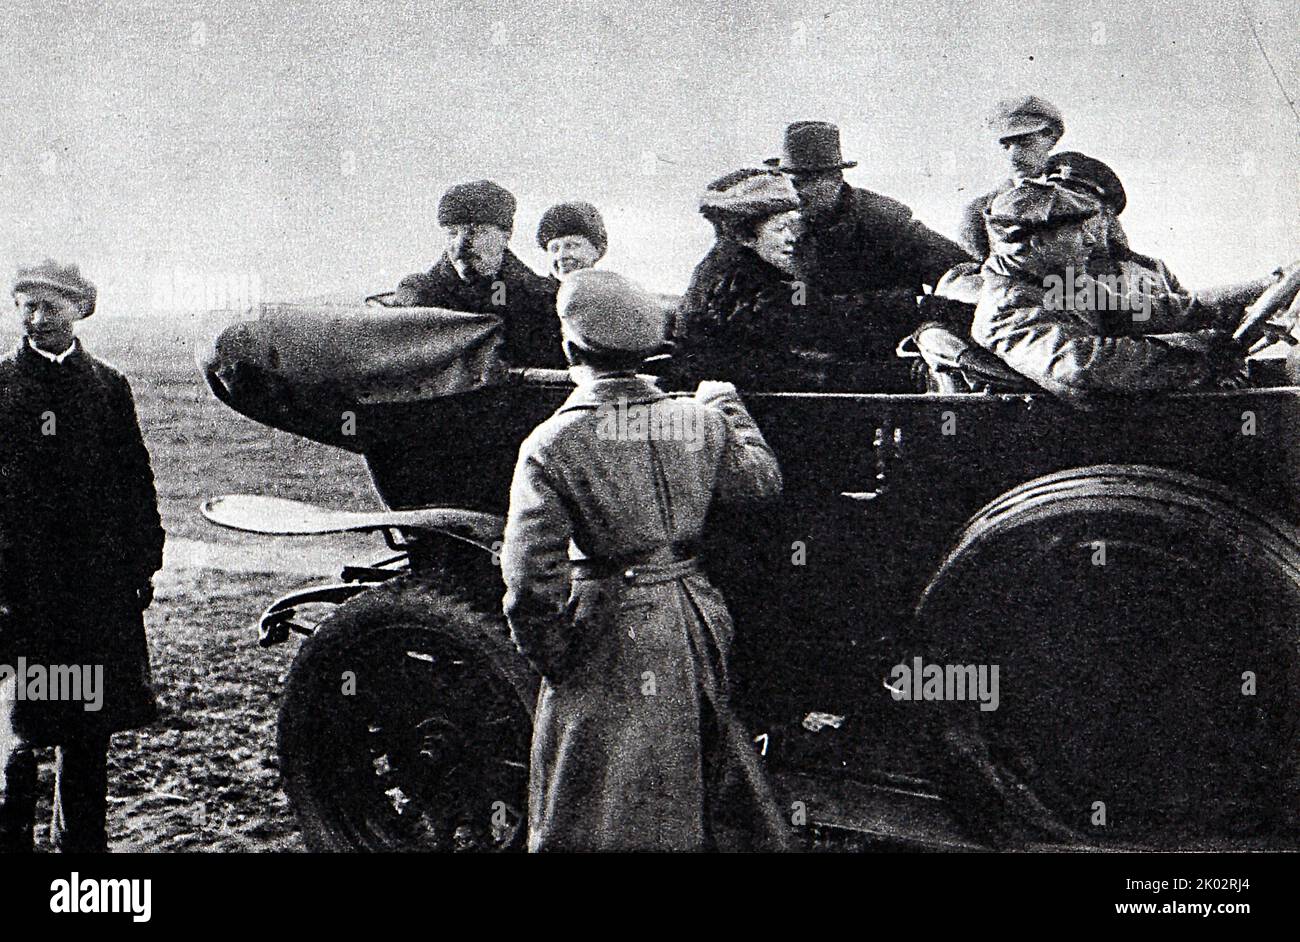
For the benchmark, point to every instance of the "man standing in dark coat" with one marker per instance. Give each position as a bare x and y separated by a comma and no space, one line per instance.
478,273
80,540
863,253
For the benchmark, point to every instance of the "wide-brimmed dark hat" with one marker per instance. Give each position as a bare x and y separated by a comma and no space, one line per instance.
811,147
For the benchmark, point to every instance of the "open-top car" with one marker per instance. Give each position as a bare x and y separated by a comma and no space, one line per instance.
972,620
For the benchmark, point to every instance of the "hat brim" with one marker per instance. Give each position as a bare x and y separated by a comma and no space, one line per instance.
775,164
1011,223
1020,126
59,288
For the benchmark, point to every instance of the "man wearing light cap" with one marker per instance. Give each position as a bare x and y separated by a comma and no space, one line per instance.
477,272
634,735
573,237
1026,128
1053,323
80,540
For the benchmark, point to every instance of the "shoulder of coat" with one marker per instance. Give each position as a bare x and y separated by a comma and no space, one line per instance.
546,437
107,372
514,269
880,208
975,208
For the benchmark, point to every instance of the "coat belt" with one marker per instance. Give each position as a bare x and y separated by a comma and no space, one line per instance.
663,564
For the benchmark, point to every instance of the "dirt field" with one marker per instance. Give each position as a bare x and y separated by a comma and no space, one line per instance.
204,777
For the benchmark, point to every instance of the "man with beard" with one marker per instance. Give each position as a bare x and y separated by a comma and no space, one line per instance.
478,273
862,253
573,237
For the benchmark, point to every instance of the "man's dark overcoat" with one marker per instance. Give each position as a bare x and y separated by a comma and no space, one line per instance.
79,535
532,329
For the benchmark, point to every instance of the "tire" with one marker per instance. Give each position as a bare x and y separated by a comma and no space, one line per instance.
429,751
1147,628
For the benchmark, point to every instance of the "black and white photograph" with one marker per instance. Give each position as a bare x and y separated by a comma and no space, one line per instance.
864,430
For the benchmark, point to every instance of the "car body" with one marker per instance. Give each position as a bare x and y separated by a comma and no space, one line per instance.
1072,550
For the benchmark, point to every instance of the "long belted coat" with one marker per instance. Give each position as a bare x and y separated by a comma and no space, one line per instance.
79,535
635,745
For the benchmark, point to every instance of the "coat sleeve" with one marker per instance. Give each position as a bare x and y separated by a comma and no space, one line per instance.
973,236
8,502
1060,354
929,254
748,469
145,536
534,555
411,291
920,254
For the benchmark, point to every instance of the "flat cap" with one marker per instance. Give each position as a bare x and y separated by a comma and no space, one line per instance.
1076,171
604,311
574,218
1037,205
67,280
1012,117
479,201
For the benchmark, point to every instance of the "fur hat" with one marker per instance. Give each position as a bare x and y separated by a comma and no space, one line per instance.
479,201
67,280
748,194
575,218
604,311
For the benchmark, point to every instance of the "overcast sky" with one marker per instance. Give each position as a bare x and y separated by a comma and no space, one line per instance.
302,146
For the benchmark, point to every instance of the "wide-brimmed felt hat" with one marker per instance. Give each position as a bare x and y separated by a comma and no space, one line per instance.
67,280
810,147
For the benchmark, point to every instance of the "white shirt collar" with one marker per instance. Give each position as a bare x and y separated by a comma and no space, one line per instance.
54,357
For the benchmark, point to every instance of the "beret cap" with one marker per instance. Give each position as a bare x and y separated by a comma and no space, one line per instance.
603,310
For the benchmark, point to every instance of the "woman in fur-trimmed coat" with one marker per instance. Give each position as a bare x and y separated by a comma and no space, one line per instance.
739,320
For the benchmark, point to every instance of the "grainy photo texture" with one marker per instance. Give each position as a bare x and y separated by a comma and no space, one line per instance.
611,426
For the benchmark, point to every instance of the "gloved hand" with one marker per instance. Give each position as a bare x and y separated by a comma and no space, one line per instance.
1228,369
